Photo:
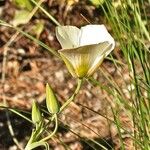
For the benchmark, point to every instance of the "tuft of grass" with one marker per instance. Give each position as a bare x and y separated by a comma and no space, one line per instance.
130,25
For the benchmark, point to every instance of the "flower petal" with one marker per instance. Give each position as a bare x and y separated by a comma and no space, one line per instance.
68,36
68,64
94,34
105,48
86,59
78,60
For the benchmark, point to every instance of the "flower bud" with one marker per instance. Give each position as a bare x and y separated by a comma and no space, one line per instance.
36,114
51,100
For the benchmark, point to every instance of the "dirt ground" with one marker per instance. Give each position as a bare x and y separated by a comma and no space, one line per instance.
29,67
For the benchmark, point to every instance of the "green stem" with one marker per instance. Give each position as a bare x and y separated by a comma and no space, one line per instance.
19,114
48,14
53,133
54,117
30,141
37,144
68,101
72,97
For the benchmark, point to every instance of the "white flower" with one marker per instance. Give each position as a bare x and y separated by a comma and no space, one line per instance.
83,50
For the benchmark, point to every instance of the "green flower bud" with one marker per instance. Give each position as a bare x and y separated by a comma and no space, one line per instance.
51,100
36,114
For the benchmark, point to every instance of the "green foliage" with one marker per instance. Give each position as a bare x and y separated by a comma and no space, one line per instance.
131,28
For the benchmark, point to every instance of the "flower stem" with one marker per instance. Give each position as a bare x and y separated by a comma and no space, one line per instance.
68,101
80,81
53,133
37,144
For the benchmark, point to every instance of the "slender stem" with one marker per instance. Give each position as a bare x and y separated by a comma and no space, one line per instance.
68,101
48,14
19,114
53,133
34,10
72,97
37,144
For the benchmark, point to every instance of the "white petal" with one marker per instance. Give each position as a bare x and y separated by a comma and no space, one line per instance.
94,34
104,49
85,60
68,36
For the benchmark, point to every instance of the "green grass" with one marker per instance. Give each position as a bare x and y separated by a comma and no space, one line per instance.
130,25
